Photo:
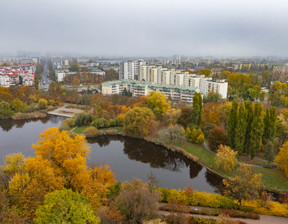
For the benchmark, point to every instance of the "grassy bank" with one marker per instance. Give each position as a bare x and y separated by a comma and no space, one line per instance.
33,115
273,180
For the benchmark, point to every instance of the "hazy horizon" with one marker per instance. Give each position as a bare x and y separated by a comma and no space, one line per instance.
145,28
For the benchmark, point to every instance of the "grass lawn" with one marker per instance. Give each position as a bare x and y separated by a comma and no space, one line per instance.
79,130
274,180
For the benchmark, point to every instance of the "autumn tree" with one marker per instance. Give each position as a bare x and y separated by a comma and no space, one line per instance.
216,137
174,133
138,121
226,158
66,206
197,109
42,104
211,114
5,110
171,116
18,105
240,130
246,185
205,72
269,125
185,117
282,158
257,128
156,101
232,124
136,202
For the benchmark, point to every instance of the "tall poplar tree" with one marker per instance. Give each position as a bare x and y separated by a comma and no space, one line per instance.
257,129
249,114
240,132
270,119
232,124
197,109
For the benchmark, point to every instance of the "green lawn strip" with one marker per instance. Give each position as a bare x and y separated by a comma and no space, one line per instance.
79,130
273,180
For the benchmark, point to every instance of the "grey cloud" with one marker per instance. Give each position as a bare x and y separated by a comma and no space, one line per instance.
148,28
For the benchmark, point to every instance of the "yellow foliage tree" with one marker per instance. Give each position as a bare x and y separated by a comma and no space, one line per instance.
226,158
156,101
282,158
96,187
246,185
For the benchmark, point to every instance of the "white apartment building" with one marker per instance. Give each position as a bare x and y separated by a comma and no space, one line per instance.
139,88
130,70
220,86
4,81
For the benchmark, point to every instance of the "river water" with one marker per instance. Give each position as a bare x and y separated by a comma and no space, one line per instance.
127,157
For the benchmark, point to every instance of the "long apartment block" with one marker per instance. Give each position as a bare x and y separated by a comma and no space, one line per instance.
141,88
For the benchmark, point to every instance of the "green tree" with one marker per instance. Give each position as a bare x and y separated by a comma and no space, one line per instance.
240,130
74,68
249,111
197,109
65,206
156,101
246,185
257,128
265,78
269,151
5,110
36,82
232,124
213,97
138,121
270,119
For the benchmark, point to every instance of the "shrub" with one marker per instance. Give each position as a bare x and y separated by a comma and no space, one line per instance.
42,104
200,139
90,132
226,158
83,119
101,123
65,125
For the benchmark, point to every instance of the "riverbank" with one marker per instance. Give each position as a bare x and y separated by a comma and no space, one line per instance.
273,179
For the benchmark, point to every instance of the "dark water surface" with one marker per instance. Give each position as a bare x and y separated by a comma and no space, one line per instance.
18,136
127,157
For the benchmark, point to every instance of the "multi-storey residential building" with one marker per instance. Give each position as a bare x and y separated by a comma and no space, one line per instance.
130,70
219,86
140,88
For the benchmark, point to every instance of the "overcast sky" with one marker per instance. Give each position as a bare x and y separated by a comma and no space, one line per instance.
145,27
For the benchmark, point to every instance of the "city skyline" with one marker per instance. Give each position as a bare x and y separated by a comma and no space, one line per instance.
145,28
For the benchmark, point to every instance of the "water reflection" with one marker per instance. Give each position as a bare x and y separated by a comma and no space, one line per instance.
7,125
164,163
